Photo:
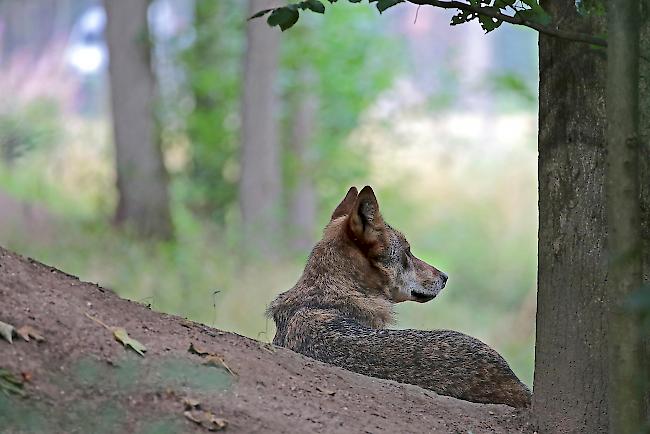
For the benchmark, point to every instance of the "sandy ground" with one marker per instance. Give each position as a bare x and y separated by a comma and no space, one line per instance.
81,380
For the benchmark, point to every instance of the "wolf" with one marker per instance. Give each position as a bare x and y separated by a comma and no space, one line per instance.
340,307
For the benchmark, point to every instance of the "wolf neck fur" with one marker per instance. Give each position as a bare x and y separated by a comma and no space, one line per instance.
330,281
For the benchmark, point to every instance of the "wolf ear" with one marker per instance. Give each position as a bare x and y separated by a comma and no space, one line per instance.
346,204
365,217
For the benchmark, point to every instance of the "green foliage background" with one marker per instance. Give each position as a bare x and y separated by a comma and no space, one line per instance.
213,68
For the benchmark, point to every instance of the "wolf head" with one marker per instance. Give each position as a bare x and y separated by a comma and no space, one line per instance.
377,256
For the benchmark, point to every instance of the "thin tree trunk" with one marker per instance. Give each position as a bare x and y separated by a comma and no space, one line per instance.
141,174
570,388
261,176
626,394
302,200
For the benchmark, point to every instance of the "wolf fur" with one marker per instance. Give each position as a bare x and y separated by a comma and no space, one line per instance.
339,310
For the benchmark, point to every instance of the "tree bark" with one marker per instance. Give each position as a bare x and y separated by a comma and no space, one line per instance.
261,176
302,195
570,387
644,175
626,395
141,175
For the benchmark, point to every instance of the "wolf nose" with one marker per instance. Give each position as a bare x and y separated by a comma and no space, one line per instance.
444,277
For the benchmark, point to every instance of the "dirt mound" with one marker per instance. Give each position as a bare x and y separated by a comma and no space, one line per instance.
80,379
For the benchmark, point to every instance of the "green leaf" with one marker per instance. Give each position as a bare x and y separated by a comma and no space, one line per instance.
122,336
535,16
502,4
259,14
284,17
488,24
315,6
536,13
6,331
382,5
462,17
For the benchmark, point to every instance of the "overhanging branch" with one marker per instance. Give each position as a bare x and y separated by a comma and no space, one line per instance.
496,14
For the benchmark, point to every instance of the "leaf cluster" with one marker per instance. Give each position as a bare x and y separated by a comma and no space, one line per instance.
489,13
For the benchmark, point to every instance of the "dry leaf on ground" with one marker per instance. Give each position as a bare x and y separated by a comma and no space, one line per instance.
214,360
206,419
210,359
195,349
191,403
26,332
122,336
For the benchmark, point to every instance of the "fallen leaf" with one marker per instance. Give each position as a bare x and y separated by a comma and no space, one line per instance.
27,376
122,336
26,332
206,419
191,415
214,360
195,349
217,423
211,359
326,391
191,403
6,331
10,384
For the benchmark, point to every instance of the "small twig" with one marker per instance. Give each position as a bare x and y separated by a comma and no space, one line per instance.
417,11
214,306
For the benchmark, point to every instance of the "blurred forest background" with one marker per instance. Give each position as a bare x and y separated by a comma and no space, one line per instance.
261,134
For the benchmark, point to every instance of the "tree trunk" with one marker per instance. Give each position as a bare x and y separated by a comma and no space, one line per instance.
626,397
141,174
302,196
261,176
570,393
644,176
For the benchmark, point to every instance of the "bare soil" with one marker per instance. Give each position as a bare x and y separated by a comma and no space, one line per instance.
81,380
